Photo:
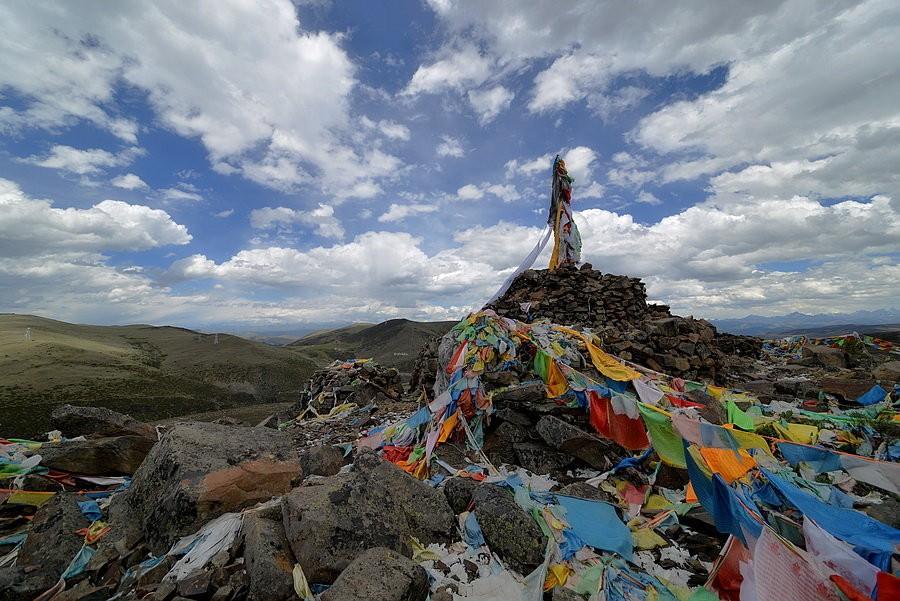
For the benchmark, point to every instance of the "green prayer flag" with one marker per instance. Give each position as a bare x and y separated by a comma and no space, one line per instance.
665,440
738,417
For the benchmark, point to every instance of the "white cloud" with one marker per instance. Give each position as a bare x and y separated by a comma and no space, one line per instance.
182,193
591,43
506,192
529,168
648,198
398,212
129,181
459,68
322,217
390,129
568,79
607,106
82,161
579,163
34,227
592,190
450,147
470,192
224,214
245,83
490,102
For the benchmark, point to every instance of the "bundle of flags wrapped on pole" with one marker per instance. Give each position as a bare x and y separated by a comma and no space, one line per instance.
780,481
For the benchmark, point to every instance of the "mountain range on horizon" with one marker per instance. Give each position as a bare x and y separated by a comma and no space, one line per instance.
759,325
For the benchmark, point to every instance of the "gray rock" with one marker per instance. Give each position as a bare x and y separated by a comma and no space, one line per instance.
73,421
564,594
848,387
887,372
597,452
322,460
507,414
380,574
459,492
509,432
759,387
199,471
508,530
539,459
50,546
585,491
527,392
825,355
376,505
268,559
887,512
117,455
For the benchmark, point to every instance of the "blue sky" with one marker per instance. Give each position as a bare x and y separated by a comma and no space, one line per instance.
272,163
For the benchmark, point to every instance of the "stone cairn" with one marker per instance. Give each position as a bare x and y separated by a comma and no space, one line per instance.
615,307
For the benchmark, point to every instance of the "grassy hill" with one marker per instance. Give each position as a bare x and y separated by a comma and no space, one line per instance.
394,343
149,372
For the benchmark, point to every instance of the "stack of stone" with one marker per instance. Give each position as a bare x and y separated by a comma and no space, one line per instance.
570,296
615,308
359,382
425,368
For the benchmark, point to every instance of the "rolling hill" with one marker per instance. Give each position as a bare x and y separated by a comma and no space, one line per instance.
147,371
393,343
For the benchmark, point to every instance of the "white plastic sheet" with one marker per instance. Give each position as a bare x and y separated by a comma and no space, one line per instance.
215,536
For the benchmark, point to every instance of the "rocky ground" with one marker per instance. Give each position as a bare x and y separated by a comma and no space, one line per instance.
329,499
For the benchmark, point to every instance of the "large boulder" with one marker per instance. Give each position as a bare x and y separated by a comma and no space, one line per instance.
50,546
824,355
322,460
375,505
380,574
508,530
597,452
268,558
116,455
73,421
198,471
887,372
849,388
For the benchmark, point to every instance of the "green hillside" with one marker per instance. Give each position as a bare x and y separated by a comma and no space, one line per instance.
393,343
149,372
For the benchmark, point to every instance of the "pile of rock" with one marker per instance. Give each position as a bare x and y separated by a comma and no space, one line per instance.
425,368
579,297
355,381
616,309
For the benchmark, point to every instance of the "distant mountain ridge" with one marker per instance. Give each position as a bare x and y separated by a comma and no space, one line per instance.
760,325
150,372
394,343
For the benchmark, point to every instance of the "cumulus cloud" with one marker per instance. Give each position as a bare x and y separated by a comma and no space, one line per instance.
31,226
398,212
459,68
450,147
322,217
802,117
389,129
245,83
182,192
80,161
129,181
470,192
648,198
490,102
